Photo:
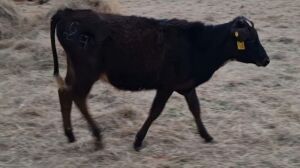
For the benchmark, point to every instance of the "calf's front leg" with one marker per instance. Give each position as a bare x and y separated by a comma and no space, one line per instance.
157,107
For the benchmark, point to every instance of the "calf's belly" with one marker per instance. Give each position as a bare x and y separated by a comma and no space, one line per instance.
130,81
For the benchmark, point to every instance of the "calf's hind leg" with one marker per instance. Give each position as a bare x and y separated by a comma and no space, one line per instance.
194,106
80,92
65,99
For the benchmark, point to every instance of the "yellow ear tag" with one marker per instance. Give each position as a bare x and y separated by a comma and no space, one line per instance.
240,45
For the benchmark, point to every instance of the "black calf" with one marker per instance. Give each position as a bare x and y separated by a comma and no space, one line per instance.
135,53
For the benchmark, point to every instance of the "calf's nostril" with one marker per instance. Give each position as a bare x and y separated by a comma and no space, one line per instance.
266,61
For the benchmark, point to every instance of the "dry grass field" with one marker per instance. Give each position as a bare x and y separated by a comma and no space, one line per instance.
253,113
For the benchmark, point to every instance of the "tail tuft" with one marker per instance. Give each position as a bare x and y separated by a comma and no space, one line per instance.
60,81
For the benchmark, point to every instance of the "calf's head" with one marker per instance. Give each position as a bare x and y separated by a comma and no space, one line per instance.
247,47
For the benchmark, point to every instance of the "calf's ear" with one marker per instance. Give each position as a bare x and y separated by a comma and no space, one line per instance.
240,28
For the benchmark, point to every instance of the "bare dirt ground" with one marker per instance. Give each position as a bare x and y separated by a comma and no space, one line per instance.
253,113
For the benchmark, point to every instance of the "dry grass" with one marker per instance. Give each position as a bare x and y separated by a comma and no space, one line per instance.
8,11
253,113
9,17
106,6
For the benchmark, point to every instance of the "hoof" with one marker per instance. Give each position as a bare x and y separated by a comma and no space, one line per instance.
137,146
71,138
69,134
209,139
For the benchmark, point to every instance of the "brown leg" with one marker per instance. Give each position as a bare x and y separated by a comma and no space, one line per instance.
65,99
158,105
194,106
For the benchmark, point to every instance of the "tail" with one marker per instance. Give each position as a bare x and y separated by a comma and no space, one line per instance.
54,20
